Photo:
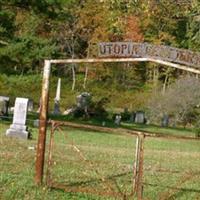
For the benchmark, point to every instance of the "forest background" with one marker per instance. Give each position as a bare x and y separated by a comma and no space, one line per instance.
34,30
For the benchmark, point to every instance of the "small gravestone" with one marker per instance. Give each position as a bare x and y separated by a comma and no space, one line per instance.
165,121
83,102
118,119
18,128
139,117
30,105
4,103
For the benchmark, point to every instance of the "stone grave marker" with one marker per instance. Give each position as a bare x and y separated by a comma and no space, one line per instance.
83,102
165,121
18,128
139,117
118,119
4,103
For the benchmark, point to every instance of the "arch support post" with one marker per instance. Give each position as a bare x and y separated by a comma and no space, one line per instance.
138,168
40,156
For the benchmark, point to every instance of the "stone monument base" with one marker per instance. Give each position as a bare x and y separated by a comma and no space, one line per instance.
19,131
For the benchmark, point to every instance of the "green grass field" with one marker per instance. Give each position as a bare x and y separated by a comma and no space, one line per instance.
90,163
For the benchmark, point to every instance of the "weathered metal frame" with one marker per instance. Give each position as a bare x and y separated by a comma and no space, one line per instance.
137,182
55,125
40,156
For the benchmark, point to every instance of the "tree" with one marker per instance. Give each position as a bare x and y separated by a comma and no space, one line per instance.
193,27
163,22
25,29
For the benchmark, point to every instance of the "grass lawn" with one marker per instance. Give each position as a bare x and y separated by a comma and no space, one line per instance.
101,163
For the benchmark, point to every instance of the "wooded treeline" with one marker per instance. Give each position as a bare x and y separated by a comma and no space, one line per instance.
32,30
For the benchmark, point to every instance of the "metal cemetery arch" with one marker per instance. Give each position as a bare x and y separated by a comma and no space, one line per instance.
124,58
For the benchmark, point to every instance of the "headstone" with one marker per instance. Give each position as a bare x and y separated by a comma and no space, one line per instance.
118,119
30,105
57,99
83,102
18,128
4,103
139,117
165,121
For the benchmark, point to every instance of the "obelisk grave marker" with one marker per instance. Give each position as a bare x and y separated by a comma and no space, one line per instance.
57,99
18,128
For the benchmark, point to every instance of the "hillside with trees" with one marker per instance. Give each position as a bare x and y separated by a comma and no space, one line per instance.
34,30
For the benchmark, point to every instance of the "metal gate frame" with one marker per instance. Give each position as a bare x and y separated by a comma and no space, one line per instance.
137,187
137,180
40,155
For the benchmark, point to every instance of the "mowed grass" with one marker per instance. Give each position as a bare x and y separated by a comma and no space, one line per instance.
95,165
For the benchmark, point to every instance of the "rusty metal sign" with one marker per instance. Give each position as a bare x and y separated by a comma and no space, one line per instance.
145,50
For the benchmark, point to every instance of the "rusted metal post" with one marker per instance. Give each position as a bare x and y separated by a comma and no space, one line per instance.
49,162
135,167
39,167
138,187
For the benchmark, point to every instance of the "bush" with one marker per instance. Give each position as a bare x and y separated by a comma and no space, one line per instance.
97,109
126,115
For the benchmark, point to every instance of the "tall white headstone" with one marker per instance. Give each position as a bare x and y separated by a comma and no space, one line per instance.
140,117
58,90
57,99
18,128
